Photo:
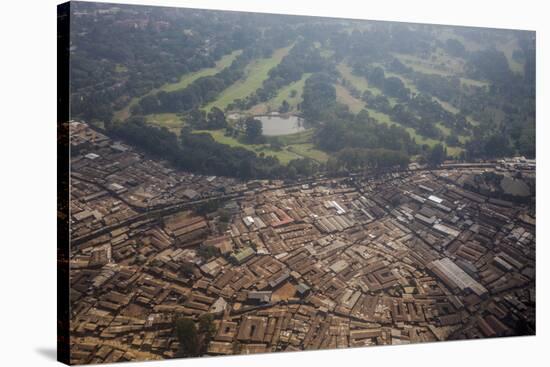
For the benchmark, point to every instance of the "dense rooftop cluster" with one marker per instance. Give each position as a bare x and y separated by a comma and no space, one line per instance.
396,258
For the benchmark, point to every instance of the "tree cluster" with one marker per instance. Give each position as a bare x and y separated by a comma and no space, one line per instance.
199,152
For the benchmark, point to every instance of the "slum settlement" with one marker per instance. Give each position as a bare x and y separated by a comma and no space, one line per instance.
397,258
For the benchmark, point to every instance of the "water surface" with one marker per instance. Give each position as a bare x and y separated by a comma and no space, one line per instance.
281,125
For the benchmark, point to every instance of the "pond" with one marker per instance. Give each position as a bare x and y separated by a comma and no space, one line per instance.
281,125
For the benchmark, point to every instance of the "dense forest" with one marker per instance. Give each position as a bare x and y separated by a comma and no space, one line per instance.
188,85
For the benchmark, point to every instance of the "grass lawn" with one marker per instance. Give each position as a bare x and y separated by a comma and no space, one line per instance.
423,66
283,94
283,155
184,81
447,106
187,79
119,68
296,146
124,113
297,138
508,49
307,150
472,121
326,53
454,151
452,109
420,139
360,83
255,74
169,120
473,82
447,131
344,96
408,83
357,81
429,67
444,33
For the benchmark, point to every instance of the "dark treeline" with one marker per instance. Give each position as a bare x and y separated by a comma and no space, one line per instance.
318,98
200,153
199,92
362,131
356,159
201,120
391,86
416,110
444,88
304,57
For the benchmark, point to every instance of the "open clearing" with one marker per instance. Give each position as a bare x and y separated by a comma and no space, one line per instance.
445,33
255,74
171,121
308,151
283,293
446,106
423,66
187,79
420,139
284,94
406,81
508,49
119,68
358,82
296,146
344,96
184,81
283,155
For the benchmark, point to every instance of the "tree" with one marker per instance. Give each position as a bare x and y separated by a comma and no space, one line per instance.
318,97
187,335
394,87
276,144
216,119
527,141
303,166
360,158
377,76
497,146
197,118
455,47
436,155
452,140
253,130
186,269
332,166
284,107
225,215
208,207
206,327
207,252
